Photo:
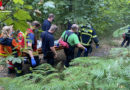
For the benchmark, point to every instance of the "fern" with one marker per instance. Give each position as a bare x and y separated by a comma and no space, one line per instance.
91,73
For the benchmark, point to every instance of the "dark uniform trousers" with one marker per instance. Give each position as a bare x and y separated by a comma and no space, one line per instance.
49,57
127,39
69,52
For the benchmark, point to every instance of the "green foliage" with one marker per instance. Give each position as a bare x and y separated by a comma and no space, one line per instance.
103,15
18,15
90,73
121,31
18,2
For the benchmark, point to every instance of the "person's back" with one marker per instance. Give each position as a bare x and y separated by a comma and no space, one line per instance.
48,45
70,37
47,23
47,41
87,35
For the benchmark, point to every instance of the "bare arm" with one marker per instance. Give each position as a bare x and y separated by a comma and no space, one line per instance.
80,46
60,39
53,50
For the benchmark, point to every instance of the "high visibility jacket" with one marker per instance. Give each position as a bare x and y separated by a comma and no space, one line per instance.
86,36
34,46
21,39
7,46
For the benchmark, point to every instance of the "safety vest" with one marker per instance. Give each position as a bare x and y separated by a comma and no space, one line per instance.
86,36
21,39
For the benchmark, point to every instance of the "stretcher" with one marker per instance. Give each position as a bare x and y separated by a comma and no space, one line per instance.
39,51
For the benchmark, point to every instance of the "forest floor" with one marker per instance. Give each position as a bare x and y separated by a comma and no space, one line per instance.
102,51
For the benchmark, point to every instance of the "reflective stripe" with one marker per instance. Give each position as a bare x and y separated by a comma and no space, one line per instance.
90,31
3,54
86,30
18,71
94,36
86,44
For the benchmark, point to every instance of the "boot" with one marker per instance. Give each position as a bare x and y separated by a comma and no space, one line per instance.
10,71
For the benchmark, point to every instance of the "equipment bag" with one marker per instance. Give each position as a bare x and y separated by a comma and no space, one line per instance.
64,42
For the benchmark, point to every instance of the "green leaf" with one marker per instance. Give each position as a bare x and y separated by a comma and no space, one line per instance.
22,15
28,7
17,60
9,21
18,2
21,25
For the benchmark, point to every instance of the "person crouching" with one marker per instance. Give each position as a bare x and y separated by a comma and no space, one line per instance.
7,45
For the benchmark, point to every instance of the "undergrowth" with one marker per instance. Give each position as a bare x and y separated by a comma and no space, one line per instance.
90,73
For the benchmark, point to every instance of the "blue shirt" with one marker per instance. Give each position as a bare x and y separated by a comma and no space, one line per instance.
46,25
31,38
47,41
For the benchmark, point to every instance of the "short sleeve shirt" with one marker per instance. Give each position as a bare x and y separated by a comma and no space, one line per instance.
46,25
47,41
72,39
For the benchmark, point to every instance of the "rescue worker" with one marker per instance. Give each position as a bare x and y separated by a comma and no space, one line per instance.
47,23
48,45
8,45
86,36
126,38
32,43
20,38
72,39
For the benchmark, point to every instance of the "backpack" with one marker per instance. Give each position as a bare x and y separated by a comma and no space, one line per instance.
64,42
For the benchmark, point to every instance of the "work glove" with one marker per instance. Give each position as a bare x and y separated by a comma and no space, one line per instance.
33,61
86,50
57,45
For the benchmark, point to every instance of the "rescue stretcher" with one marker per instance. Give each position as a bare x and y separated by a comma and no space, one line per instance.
39,50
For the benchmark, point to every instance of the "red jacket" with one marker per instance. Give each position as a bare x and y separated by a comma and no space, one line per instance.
21,39
1,3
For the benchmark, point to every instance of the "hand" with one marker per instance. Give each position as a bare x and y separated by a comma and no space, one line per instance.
55,56
33,61
57,44
85,49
